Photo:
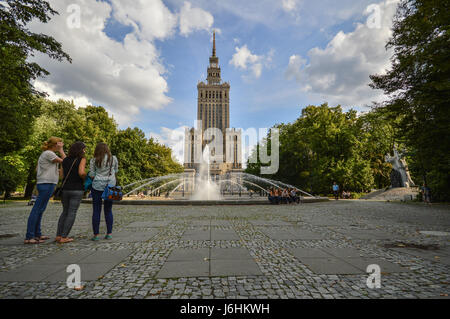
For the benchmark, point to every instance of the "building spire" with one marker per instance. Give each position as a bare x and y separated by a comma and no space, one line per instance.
214,44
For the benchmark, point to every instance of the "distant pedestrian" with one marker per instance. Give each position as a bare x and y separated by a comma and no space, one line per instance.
46,179
103,169
426,193
336,190
73,172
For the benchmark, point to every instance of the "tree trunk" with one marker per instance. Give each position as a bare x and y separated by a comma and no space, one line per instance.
31,182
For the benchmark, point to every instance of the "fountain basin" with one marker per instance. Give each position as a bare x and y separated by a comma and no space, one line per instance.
223,202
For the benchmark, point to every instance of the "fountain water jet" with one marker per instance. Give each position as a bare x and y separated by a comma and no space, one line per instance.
205,188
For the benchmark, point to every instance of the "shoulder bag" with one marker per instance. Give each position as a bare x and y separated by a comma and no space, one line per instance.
58,190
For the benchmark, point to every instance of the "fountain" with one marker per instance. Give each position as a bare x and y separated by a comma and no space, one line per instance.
189,188
205,188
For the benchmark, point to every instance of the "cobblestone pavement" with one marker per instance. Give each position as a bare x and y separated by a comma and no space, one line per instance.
273,238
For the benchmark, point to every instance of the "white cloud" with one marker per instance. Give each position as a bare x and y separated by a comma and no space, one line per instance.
152,19
124,77
192,19
340,72
244,59
173,138
289,5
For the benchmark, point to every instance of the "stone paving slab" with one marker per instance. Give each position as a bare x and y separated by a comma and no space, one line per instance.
330,266
53,267
189,254
106,257
344,252
19,241
197,234
209,234
244,267
89,272
218,234
230,254
65,257
33,273
385,266
314,257
209,262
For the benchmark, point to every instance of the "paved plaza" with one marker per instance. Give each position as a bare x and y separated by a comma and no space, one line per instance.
315,250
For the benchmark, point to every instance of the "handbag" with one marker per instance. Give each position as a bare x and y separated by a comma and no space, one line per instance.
58,190
112,192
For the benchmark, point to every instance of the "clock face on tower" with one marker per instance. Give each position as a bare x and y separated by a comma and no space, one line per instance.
214,65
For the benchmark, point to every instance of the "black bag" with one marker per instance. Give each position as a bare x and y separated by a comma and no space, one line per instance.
58,191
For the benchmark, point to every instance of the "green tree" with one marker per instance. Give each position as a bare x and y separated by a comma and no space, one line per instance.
418,86
12,173
141,158
326,144
18,108
90,125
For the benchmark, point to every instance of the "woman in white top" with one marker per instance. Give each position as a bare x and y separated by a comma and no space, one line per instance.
47,178
103,170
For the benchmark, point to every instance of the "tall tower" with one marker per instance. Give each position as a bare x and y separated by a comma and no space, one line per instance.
213,112
213,99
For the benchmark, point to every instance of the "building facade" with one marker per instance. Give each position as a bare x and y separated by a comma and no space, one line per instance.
213,125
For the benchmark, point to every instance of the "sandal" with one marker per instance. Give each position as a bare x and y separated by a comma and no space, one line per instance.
108,237
57,239
95,238
31,241
44,238
65,240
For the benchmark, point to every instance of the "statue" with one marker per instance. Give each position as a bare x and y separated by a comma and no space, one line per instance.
400,174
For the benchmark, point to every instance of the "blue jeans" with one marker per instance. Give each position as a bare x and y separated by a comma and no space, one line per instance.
97,210
34,220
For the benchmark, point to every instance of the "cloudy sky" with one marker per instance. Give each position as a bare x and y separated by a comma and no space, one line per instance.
142,59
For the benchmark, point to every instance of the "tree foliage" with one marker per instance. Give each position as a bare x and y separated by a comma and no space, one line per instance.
17,105
138,156
326,144
418,85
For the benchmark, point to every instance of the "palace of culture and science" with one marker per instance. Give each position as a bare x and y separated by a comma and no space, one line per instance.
213,126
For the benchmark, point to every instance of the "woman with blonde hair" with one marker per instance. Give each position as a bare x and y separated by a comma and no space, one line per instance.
47,177
103,170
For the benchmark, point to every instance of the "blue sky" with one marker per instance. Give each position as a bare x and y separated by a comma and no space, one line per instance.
142,59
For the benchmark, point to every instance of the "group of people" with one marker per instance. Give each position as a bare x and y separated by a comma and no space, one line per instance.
71,169
283,196
345,194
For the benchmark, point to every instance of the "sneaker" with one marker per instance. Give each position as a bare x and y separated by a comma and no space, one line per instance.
95,238
108,237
